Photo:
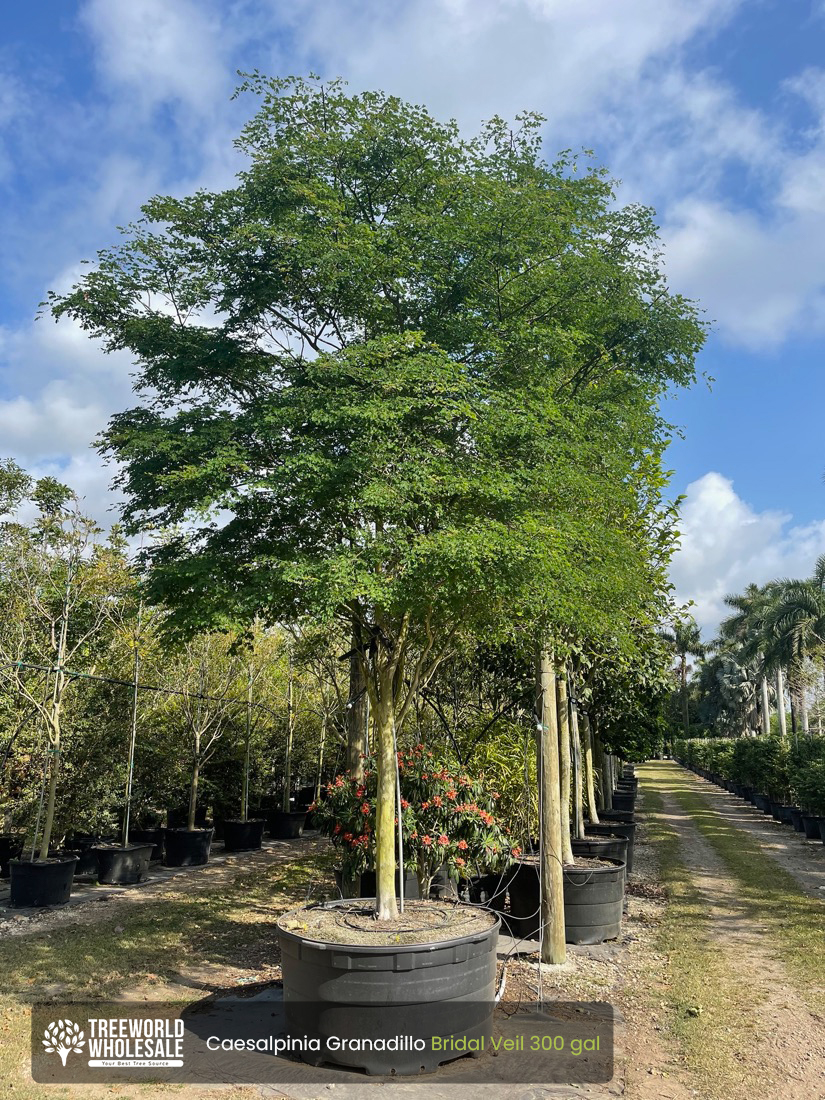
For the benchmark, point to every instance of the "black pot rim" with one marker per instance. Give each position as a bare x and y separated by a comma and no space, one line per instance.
383,949
136,847
52,861
190,832
240,821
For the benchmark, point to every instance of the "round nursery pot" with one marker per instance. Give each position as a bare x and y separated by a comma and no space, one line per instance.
602,847
437,980
796,818
776,810
489,890
118,866
810,826
149,836
593,901
624,800
762,802
243,836
617,815
41,883
287,825
785,814
185,848
11,845
625,829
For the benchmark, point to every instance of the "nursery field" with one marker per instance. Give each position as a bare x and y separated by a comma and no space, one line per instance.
718,975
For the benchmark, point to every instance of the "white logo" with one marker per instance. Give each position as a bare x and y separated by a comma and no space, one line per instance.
63,1037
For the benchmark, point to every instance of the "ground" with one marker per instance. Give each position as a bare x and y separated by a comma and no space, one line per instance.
719,976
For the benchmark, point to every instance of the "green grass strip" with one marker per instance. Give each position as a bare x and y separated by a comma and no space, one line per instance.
770,896
709,1011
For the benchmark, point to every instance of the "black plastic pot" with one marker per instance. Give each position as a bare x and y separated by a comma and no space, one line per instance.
243,836
624,801
602,847
796,818
785,814
38,884
617,828
762,802
355,990
489,890
119,866
185,848
367,886
287,826
617,815
593,901
776,810
11,845
810,826
822,829
149,836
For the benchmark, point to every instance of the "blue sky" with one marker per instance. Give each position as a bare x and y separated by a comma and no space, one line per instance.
713,111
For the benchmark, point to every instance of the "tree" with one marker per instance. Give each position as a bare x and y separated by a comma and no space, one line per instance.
686,640
396,380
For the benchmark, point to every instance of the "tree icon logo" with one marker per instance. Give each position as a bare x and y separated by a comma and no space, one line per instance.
62,1037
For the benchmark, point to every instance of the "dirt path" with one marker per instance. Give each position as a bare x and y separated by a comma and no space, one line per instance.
781,1044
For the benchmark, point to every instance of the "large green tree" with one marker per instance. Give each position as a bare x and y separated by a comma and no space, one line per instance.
398,379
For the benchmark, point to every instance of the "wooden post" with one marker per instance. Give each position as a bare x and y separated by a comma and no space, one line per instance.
553,948
565,768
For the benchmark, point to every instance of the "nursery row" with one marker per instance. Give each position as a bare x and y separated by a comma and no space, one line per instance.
783,780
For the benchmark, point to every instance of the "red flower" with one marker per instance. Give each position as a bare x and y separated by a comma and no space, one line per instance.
516,852
462,845
425,805
443,840
337,829
365,807
404,804
459,862
347,836
452,793
437,801
426,841
339,781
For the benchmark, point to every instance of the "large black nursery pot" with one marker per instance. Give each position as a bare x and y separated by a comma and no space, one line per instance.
119,866
624,800
796,818
444,986
243,836
11,846
149,836
41,883
810,825
822,829
626,829
593,901
287,825
762,802
187,848
602,847
617,815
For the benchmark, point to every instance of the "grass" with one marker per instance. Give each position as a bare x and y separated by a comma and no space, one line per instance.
708,1009
192,941
769,895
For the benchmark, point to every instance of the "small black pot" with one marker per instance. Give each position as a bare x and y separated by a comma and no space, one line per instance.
149,836
810,825
796,818
185,848
37,884
243,836
489,890
367,887
287,826
11,846
119,866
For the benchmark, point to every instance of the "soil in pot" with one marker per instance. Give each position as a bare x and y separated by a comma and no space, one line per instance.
810,826
187,848
46,882
243,836
11,847
287,825
149,836
620,829
602,847
119,866
431,972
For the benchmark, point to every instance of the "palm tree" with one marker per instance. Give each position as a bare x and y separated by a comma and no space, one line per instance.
685,639
746,630
796,624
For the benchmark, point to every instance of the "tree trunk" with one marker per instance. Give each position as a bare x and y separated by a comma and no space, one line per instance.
589,779
54,765
383,708
290,735
321,747
685,711
247,750
578,777
553,948
357,720
780,702
193,790
766,707
563,714
803,711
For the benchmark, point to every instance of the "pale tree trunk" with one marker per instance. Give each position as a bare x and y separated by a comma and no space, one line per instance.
564,765
386,907
553,948
357,720
578,778
685,711
321,748
247,750
193,788
54,765
290,736
589,780
803,711
766,707
780,702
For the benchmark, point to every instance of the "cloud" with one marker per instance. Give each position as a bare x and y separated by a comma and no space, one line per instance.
726,545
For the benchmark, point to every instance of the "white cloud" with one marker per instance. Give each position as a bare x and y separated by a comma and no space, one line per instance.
726,545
